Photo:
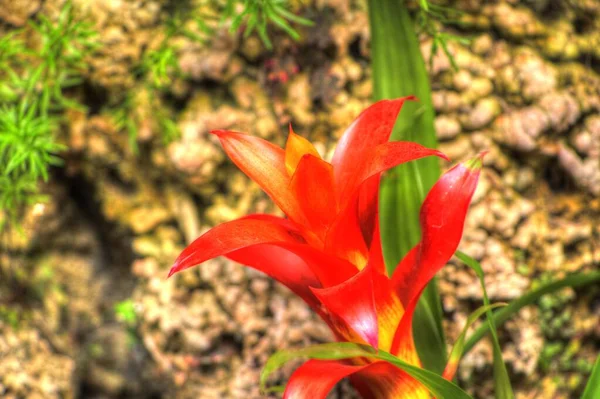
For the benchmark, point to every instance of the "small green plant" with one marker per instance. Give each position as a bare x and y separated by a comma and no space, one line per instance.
32,97
257,14
159,65
428,17
125,312
10,317
156,71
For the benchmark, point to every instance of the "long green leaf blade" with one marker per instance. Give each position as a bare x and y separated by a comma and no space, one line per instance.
437,385
399,70
503,389
459,345
592,388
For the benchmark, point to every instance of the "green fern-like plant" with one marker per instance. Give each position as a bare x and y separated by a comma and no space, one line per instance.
32,84
257,15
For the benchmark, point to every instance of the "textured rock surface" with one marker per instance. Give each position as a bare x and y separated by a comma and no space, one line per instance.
526,90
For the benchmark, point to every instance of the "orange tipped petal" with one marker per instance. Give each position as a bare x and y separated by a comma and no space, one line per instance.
312,185
264,163
389,309
371,128
295,148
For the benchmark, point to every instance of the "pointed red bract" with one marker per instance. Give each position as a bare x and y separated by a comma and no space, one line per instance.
244,239
381,158
371,128
442,221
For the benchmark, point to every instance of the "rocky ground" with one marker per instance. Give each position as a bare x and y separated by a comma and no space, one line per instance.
527,89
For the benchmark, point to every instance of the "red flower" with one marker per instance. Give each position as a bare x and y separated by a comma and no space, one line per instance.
328,250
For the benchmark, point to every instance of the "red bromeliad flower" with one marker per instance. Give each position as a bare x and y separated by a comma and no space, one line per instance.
328,250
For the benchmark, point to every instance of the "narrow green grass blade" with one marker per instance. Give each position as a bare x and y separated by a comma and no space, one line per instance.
437,385
574,281
502,387
592,388
459,345
399,70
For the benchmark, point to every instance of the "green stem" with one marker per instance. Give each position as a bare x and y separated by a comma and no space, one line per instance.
500,316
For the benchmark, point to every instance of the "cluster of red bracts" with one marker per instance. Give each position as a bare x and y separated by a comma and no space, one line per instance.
328,249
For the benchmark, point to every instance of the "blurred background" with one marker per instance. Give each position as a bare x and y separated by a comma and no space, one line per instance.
107,171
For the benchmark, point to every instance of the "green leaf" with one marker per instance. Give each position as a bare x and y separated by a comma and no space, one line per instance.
592,388
438,386
503,389
399,70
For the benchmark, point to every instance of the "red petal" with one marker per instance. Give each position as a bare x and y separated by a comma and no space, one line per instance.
260,243
312,185
384,380
352,302
345,237
329,269
380,159
352,231
403,344
371,128
264,232
282,265
367,305
264,163
368,207
442,220
315,379
376,252
234,235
